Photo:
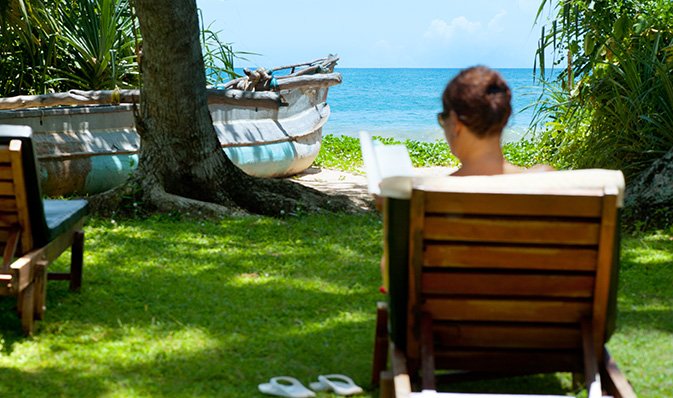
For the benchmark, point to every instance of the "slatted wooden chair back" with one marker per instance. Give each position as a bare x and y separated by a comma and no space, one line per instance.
33,232
14,213
506,279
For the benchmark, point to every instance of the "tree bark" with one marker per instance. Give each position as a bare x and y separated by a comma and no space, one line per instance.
182,166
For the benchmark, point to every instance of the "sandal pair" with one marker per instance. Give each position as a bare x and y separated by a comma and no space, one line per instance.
284,386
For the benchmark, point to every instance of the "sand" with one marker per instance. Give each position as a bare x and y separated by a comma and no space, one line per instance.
353,185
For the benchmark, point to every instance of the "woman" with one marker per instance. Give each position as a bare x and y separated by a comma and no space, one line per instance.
476,109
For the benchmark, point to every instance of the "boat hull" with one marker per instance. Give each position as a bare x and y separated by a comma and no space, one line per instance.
87,150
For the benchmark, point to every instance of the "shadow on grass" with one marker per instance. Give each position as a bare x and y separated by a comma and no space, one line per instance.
173,308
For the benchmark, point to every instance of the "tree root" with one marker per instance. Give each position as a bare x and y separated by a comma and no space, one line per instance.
275,197
169,203
134,198
272,197
115,200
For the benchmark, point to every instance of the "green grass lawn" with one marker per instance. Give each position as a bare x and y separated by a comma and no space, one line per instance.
178,308
174,308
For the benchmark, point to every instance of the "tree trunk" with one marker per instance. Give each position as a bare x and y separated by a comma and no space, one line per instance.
182,166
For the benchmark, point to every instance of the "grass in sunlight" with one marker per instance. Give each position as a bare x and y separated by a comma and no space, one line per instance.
643,345
178,308
175,308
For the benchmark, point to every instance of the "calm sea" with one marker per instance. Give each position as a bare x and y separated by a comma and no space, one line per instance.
403,103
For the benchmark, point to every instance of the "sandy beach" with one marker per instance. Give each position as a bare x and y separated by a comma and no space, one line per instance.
353,185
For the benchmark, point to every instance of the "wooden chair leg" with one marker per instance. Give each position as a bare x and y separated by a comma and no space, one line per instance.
616,383
380,343
40,290
591,375
77,261
27,296
401,380
427,353
386,388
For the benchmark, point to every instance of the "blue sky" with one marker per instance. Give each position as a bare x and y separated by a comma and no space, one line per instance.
377,33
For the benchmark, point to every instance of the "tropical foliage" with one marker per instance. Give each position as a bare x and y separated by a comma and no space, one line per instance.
612,103
57,45
343,153
27,46
99,44
218,56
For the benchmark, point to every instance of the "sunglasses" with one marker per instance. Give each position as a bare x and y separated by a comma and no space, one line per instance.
441,118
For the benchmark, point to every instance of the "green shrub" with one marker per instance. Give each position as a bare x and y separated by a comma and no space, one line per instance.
343,153
613,106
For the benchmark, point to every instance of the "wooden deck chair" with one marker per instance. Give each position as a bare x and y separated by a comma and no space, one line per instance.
501,275
34,231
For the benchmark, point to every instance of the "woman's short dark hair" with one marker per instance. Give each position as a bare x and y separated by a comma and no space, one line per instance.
481,99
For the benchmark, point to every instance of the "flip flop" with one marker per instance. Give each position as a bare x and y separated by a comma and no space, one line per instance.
284,386
340,384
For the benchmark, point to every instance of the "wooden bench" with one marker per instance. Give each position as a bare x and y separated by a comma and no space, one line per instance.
491,280
34,231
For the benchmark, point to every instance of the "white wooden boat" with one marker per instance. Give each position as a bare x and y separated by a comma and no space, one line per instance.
91,148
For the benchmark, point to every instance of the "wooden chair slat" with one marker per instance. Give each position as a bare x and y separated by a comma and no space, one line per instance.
507,310
511,231
512,257
493,284
8,220
6,188
7,204
521,361
15,148
4,233
513,205
5,172
4,154
498,335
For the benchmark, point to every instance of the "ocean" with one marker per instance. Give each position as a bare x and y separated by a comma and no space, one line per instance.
403,103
